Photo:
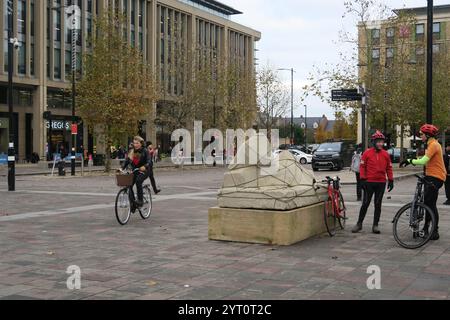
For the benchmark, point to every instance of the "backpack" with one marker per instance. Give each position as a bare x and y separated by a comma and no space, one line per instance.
356,162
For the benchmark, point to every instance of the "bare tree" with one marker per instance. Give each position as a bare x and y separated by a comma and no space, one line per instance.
272,100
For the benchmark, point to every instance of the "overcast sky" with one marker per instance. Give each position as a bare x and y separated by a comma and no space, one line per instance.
300,34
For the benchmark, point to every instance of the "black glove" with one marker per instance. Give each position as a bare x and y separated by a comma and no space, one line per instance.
405,163
390,185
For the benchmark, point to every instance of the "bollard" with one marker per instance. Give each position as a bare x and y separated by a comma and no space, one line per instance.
61,168
72,162
11,168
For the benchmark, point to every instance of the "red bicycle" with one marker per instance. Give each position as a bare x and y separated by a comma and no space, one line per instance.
334,209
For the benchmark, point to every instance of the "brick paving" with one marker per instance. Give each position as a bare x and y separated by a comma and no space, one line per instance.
170,257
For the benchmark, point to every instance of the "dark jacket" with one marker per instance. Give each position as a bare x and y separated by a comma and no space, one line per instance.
447,162
139,160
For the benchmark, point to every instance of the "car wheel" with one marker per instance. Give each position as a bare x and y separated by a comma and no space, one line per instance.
303,161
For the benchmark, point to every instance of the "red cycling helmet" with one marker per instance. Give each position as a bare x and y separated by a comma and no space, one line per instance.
378,136
429,130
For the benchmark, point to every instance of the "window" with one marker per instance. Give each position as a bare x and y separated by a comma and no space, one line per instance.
420,31
390,34
68,64
437,30
32,58
437,27
57,98
162,21
32,18
57,63
22,54
420,54
141,13
375,36
57,22
389,56
376,56
436,48
21,17
133,11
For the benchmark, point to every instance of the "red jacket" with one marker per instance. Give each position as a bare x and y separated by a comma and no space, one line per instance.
375,165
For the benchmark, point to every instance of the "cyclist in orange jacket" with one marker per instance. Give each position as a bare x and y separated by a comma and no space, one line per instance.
435,172
375,166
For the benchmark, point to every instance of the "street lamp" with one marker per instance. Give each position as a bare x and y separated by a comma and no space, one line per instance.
73,25
13,43
430,62
306,128
292,101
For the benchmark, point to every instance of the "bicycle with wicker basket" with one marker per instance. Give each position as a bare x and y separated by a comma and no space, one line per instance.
126,201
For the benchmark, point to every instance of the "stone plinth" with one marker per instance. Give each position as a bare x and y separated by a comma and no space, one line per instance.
266,226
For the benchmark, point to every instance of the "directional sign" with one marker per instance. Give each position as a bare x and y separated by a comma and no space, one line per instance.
345,95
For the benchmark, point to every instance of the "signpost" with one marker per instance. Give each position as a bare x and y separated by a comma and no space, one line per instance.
349,95
346,95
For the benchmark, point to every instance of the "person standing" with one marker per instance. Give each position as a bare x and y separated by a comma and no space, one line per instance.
375,166
435,172
356,163
150,168
447,182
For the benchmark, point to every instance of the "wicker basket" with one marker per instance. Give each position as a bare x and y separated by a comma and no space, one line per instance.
124,180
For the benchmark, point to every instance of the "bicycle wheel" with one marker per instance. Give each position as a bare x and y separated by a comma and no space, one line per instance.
123,207
413,233
329,217
146,209
342,212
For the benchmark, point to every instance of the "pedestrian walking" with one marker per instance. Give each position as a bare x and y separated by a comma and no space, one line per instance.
355,167
375,166
150,168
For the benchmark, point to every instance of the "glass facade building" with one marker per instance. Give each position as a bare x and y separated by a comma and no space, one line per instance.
163,30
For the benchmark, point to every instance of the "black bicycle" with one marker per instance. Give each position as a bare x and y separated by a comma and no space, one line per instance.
126,201
415,222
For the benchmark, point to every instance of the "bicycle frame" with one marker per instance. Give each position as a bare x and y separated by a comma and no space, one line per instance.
333,194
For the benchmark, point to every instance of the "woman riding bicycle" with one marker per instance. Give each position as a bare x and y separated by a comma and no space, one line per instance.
138,160
435,172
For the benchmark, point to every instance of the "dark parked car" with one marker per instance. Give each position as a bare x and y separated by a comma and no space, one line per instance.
333,155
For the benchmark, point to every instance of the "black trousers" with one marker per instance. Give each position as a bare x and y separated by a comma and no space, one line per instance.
430,197
139,178
447,188
358,185
370,189
152,178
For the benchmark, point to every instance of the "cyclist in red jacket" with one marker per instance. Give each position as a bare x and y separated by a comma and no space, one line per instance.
375,166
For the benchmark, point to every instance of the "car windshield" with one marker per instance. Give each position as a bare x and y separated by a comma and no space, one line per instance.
334,147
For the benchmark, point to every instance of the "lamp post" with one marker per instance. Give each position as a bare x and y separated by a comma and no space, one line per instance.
306,128
292,101
73,24
12,43
430,62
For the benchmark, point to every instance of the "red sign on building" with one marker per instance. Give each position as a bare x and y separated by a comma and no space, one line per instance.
74,128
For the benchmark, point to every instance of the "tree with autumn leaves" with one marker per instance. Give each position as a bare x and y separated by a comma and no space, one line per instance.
118,88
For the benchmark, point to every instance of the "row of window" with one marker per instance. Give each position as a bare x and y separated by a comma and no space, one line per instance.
21,96
419,52
405,32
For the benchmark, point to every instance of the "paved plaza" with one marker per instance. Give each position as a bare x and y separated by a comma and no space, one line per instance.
52,223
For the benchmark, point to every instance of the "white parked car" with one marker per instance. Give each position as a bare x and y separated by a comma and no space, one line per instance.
300,156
